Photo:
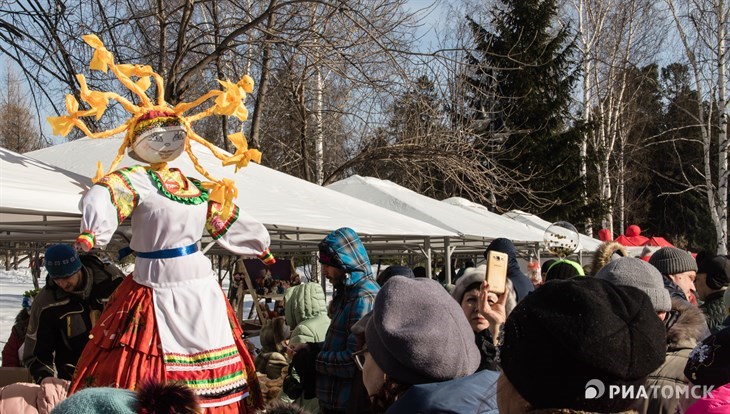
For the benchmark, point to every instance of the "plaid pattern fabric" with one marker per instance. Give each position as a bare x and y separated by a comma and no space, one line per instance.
345,248
335,365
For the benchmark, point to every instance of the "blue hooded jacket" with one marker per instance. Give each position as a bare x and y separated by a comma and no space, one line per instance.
335,366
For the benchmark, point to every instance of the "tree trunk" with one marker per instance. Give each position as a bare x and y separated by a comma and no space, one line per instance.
319,138
722,166
716,196
621,183
221,75
162,41
304,115
606,193
263,84
586,112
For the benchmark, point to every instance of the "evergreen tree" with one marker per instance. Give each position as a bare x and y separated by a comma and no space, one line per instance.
641,120
417,149
679,215
523,76
416,113
415,123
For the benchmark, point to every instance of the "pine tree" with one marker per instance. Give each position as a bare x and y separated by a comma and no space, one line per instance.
522,81
415,114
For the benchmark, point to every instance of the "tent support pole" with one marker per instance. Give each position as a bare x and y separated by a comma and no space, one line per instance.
426,250
447,260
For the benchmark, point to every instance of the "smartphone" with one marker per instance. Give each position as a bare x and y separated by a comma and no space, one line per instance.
497,272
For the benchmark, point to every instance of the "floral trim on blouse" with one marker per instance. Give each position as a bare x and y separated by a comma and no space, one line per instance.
123,195
214,224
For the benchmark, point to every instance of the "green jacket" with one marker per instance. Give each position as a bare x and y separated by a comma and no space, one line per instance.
305,308
682,336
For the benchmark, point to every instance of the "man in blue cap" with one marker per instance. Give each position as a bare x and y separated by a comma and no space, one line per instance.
65,310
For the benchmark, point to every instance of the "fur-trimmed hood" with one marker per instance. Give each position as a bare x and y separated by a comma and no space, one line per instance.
689,328
604,254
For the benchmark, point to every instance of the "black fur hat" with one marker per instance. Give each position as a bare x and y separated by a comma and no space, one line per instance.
569,332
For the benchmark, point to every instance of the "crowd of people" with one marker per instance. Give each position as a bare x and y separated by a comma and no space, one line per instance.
624,335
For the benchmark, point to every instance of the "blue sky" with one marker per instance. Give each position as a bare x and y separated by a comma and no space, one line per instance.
430,12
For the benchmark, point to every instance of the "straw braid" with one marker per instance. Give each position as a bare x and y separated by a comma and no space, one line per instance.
199,168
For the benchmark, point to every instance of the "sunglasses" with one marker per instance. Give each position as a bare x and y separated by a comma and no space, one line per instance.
359,357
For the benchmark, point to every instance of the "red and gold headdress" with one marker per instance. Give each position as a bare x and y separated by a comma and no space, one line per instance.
138,78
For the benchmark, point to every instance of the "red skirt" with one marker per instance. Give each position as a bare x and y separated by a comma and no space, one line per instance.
124,349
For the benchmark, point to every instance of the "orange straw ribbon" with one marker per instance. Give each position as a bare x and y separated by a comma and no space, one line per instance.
223,192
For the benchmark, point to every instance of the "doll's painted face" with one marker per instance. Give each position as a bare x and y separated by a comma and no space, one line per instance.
161,144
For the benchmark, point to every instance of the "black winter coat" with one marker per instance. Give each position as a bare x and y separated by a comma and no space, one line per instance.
714,310
60,322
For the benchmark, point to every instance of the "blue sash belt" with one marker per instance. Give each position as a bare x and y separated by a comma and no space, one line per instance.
169,253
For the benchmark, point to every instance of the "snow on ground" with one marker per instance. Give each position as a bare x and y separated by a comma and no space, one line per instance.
12,285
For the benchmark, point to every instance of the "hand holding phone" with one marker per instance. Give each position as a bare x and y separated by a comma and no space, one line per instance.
494,312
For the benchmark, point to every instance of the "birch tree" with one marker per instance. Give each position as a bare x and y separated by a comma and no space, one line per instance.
702,26
615,37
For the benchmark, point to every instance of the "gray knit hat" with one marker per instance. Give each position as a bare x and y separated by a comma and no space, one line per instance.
630,271
671,261
471,275
418,334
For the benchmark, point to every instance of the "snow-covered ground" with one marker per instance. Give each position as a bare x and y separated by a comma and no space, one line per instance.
12,285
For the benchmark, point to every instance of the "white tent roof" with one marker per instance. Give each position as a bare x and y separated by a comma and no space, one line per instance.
536,233
28,185
466,223
585,243
294,208
37,200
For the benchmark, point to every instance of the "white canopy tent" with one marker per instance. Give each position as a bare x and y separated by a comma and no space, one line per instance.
474,230
38,201
297,213
537,234
585,243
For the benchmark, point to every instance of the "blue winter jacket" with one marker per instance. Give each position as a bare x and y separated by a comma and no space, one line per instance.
475,394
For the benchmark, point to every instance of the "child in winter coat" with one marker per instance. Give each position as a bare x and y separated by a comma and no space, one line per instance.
305,308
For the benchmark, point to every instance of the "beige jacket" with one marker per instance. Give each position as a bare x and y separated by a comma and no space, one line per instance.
27,398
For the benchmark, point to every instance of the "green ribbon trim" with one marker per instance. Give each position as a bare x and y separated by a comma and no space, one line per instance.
202,198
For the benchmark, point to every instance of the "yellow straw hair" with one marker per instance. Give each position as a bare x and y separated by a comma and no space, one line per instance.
138,78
